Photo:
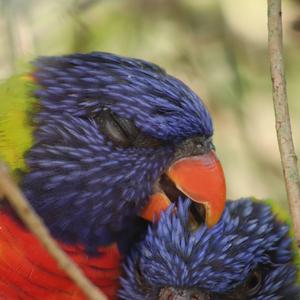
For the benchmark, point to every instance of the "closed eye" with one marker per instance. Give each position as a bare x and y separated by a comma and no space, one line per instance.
123,132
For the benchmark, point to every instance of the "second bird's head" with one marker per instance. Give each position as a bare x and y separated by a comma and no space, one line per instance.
116,137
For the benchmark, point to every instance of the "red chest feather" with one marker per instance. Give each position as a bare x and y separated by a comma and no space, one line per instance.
27,272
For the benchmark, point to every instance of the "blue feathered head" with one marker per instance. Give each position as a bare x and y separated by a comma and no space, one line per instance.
107,129
247,255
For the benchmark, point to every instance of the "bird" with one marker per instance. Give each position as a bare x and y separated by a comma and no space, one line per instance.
100,144
248,255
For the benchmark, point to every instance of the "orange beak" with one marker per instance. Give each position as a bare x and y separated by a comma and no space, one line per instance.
200,178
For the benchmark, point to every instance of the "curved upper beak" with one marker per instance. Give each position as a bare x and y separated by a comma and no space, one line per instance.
200,178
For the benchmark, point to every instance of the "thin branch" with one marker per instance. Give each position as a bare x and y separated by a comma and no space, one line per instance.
36,225
283,125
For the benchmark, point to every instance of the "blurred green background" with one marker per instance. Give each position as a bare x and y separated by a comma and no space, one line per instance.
219,48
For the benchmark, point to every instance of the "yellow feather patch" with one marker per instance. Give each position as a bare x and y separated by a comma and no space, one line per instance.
15,128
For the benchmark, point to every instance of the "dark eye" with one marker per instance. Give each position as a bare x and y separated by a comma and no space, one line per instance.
253,283
122,132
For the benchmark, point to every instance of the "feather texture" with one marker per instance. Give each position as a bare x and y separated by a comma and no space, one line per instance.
217,263
15,128
28,272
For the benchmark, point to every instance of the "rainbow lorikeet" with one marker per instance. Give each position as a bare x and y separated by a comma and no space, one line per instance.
247,256
97,141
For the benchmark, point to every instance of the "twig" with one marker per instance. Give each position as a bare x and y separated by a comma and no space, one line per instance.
36,225
283,126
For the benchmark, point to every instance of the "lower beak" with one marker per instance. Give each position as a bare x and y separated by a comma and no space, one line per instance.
201,179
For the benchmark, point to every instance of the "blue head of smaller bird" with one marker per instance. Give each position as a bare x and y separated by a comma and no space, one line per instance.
110,132
246,256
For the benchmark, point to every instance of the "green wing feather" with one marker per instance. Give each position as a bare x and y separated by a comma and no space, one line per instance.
15,128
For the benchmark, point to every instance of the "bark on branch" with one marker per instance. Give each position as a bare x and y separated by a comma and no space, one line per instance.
36,225
282,117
